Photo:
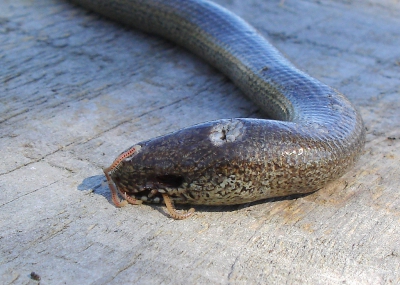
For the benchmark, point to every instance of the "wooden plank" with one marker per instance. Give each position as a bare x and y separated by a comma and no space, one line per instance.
77,89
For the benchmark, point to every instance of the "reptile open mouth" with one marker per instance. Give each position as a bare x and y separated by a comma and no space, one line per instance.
152,191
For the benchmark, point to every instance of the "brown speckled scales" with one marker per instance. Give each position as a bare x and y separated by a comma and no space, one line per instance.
316,134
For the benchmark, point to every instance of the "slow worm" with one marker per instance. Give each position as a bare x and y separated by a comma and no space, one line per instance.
315,134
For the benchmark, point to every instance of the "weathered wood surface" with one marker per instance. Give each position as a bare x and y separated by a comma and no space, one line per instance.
77,89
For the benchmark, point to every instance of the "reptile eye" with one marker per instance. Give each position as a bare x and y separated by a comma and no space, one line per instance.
170,180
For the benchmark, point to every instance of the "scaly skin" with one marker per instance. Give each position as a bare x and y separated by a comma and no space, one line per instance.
315,137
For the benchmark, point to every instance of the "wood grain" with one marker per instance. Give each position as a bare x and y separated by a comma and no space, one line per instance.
76,90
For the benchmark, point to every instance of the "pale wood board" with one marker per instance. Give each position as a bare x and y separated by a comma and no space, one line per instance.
76,90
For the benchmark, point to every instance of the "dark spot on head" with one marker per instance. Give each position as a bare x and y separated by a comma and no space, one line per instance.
191,195
223,137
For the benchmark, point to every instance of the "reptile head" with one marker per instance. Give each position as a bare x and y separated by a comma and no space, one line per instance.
176,164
